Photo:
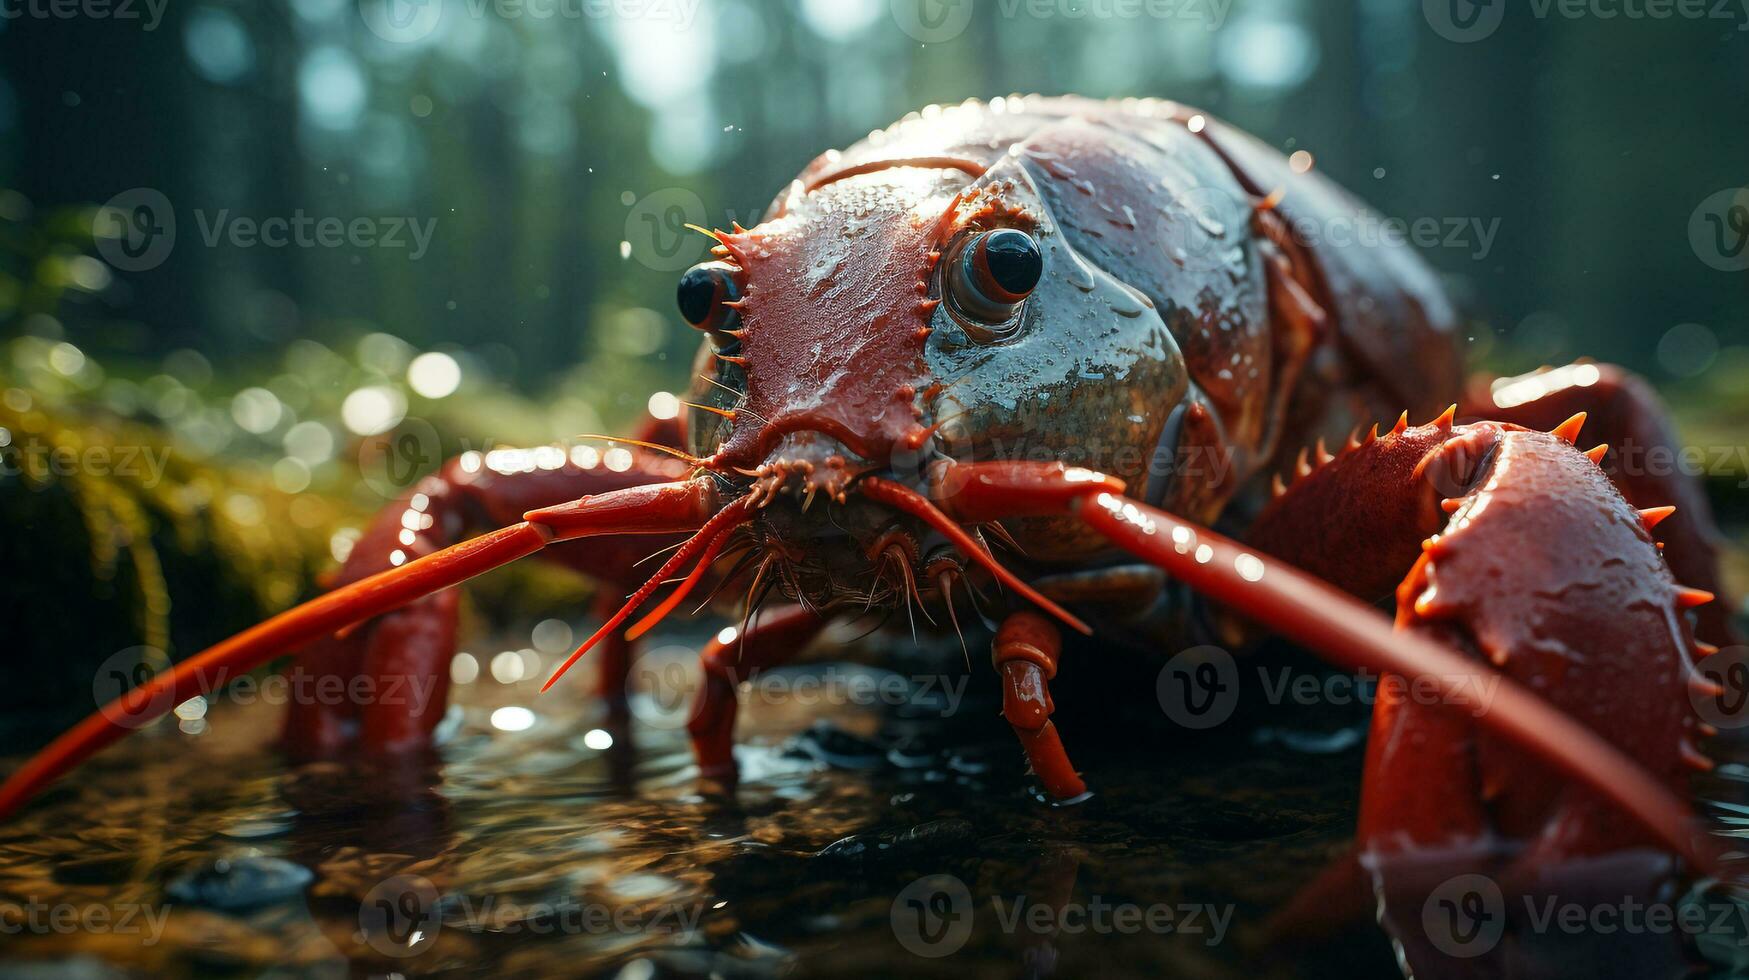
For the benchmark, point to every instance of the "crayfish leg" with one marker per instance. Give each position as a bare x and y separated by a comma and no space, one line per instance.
1025,652
1345,540
668,508
396,667
770,640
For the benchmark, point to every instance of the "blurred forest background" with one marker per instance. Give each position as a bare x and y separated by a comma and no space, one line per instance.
548,151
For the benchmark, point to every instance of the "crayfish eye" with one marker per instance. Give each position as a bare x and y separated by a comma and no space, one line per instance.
703,295
992,273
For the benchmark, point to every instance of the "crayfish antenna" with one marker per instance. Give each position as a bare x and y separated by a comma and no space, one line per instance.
286,632
1344,630
711,551
657,447
1354,635
918,506
651,508
714,529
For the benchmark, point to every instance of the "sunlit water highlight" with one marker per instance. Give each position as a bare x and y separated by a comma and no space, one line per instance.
549,839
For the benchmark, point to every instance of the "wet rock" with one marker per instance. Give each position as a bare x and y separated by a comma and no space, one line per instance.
638,969
745,958
1311,742
907,846
263,827
241,884
836,748
913,752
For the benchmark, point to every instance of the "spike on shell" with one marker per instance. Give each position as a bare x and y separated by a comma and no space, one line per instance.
1569,430
1687,598
1654,516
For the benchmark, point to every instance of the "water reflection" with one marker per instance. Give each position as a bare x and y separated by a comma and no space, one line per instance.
547,837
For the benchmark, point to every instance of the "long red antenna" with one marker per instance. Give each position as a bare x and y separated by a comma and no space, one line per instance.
1338,626
646,509
725,519
915,504
1352,634
656,615
290,630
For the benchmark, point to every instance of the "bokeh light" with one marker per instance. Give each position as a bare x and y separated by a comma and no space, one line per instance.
434,375
373,410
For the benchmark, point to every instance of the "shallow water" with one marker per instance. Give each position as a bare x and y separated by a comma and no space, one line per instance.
872,831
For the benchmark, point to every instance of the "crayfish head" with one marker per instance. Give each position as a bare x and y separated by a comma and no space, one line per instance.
896,308
814,372
817,319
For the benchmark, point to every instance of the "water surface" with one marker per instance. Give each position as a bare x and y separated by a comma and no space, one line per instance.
544,838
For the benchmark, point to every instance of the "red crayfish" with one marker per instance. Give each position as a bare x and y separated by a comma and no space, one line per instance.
1089,330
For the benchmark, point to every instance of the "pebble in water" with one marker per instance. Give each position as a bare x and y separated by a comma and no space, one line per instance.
241,884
